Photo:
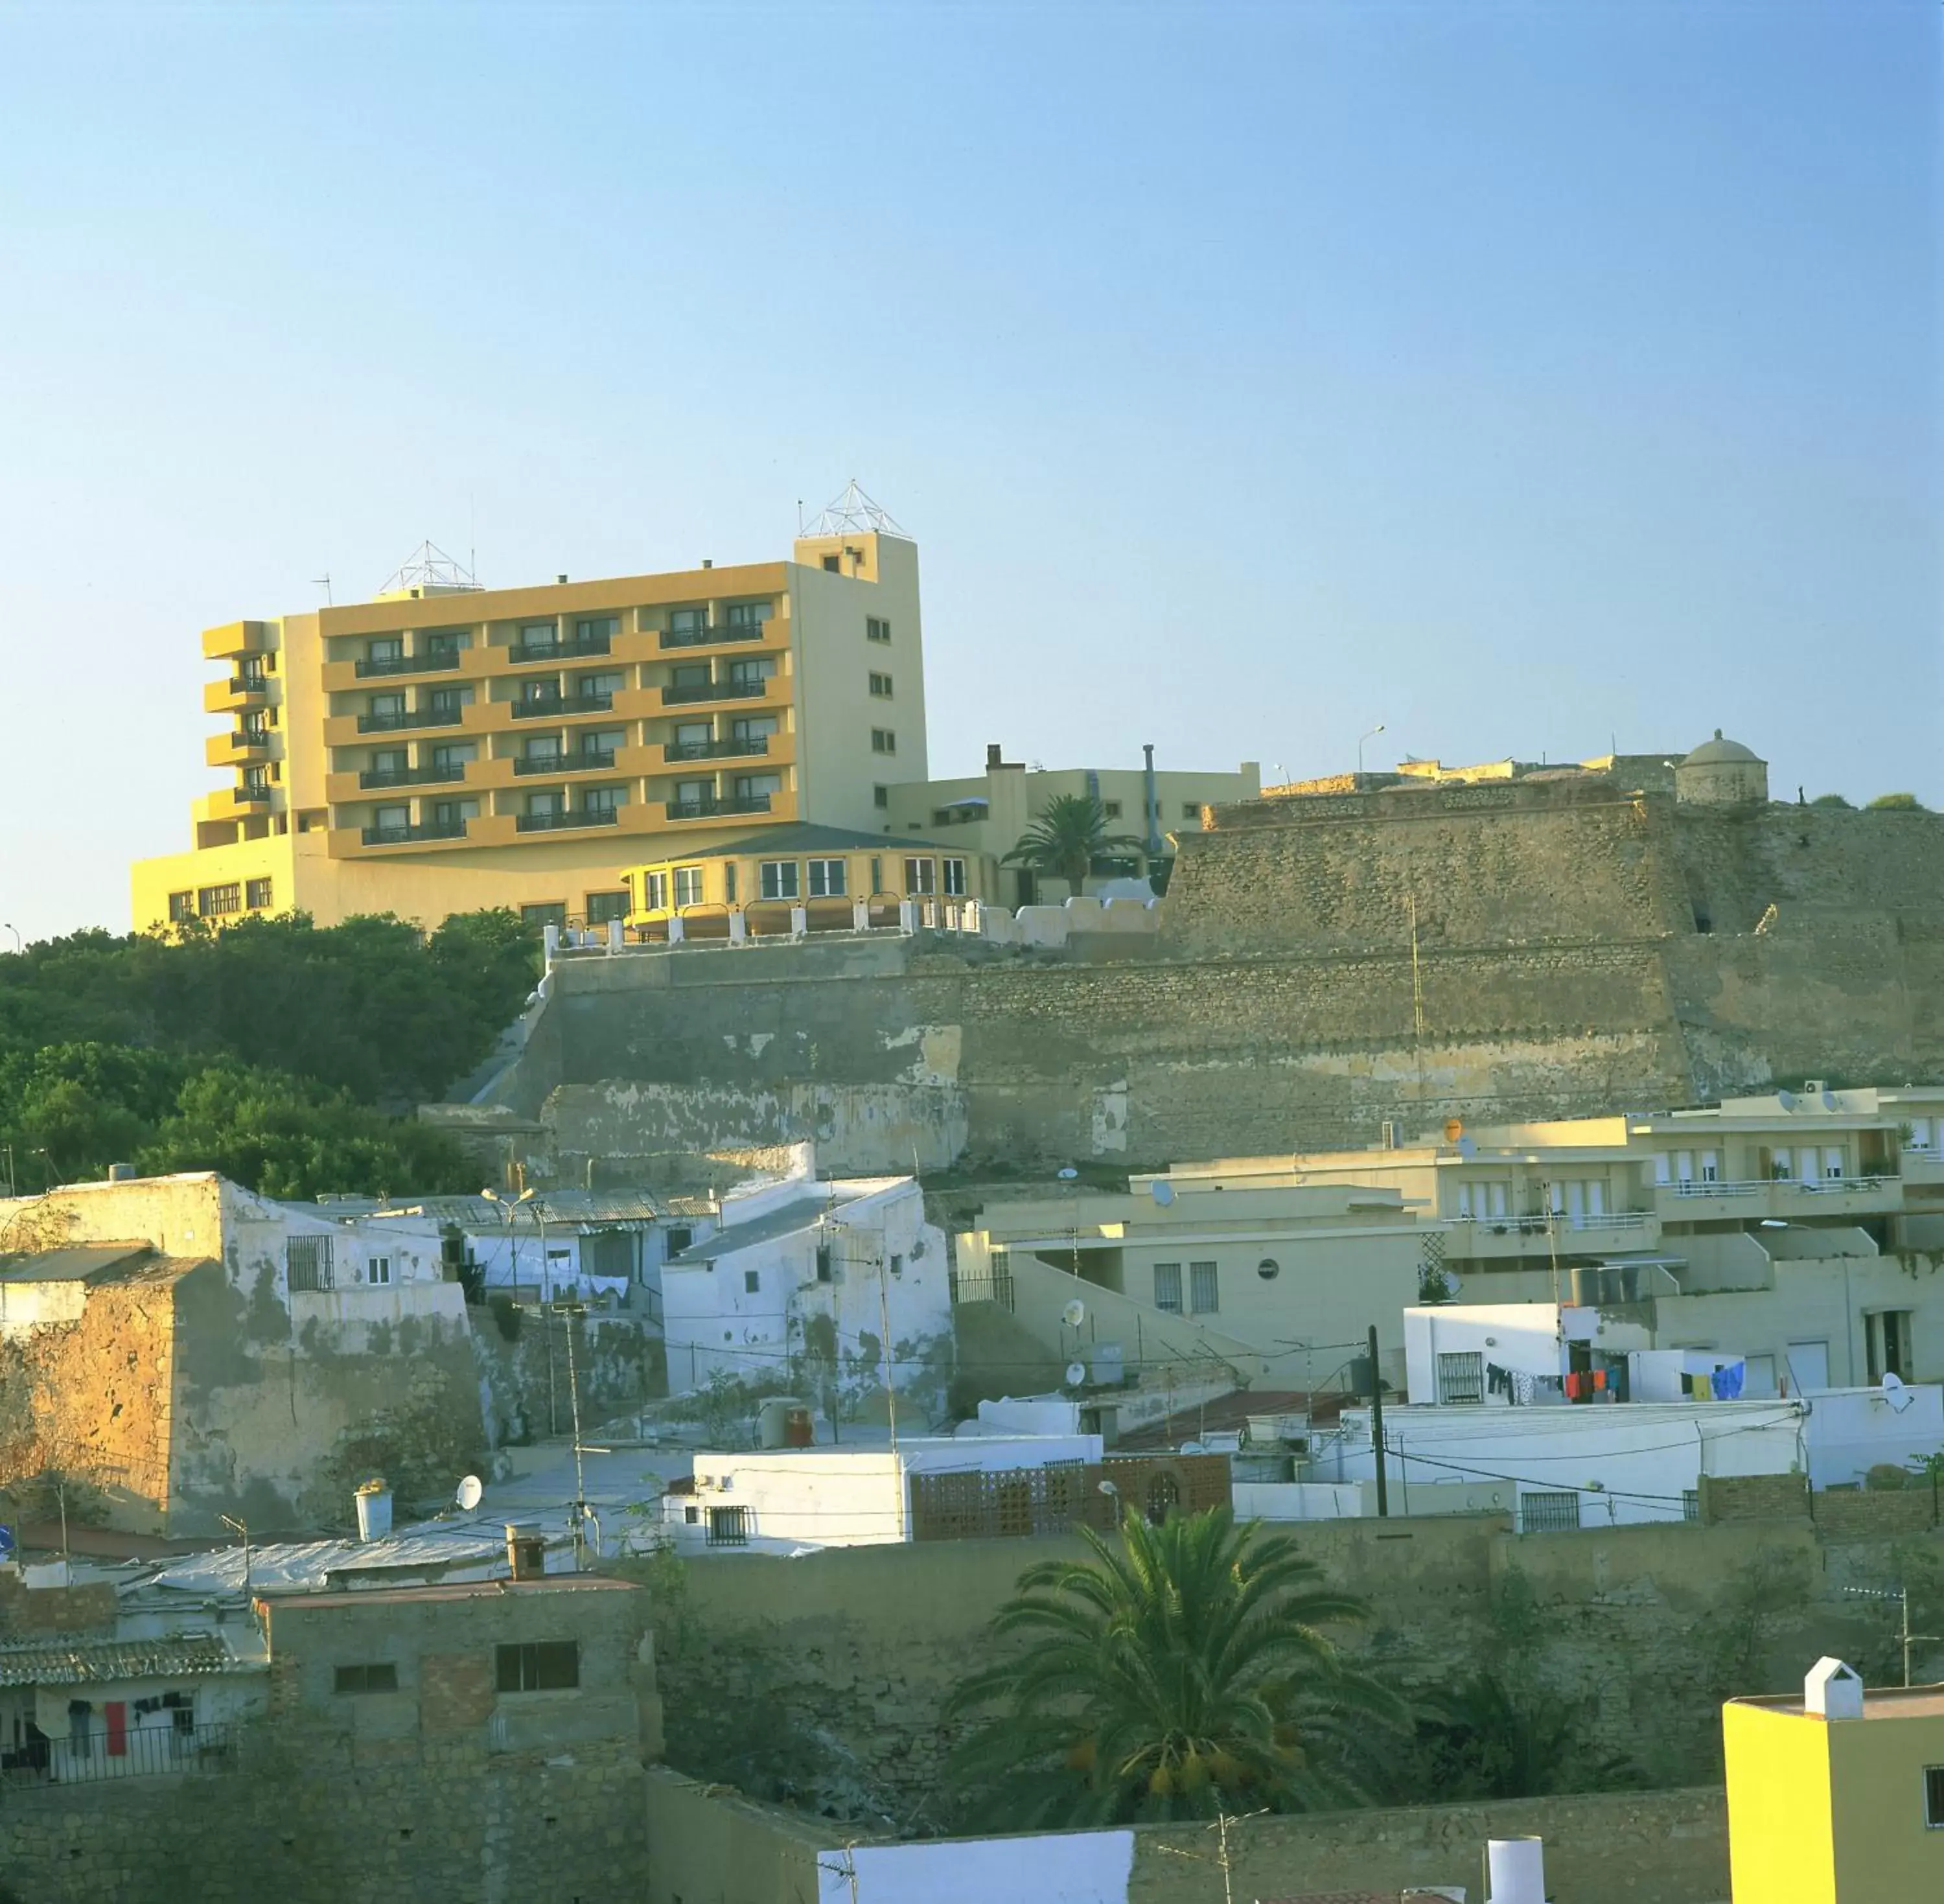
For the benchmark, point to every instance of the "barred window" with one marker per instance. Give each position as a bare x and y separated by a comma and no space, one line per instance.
1546,1512
307,1262
256,894
728,1527
1204,1294
182,906
1167,1286
1462,1378
213,901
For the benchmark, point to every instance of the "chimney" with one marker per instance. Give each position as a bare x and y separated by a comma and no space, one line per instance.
526,1552
560,581
706,563
1833,1690
120,1173
995,755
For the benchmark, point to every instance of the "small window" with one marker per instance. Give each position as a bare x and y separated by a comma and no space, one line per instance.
1690,1504
729,872
875,630
654,892
884,741
1111,808
1547,1512
603,906
679,1237
728,1527
378,1676
752,1282
954,878
1933,1797
833,565
777,879
824,1271
1167,1287
921,877
540,1666
1461,1377
880,796
691,1515
881,687
378,1269
554,913
897,1266
256,894
828,879
1204,1293
688,885
182,906
1191,810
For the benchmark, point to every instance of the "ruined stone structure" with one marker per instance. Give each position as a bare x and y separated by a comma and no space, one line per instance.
1528,948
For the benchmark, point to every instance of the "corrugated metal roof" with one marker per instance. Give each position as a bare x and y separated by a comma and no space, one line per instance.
802,1213
61,1659
79,1263
306,1566
565,1209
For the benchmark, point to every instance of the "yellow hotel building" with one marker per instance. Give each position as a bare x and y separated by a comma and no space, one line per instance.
445,747
1836,1796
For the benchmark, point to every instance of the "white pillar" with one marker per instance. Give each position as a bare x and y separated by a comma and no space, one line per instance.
614,940
739,926
907,915
675,928
799,920
860,915
550,939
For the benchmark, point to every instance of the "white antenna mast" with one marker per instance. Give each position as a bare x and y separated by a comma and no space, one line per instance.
323,582
854,513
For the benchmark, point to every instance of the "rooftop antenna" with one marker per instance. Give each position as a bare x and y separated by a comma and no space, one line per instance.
429,570
323,582
854,513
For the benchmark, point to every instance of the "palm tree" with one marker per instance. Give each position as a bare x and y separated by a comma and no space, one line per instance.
1181,1671
1068,836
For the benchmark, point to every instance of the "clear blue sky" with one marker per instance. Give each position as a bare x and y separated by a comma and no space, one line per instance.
1519,376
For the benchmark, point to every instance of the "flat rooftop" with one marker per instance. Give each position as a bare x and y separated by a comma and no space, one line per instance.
413,1596
1879,1702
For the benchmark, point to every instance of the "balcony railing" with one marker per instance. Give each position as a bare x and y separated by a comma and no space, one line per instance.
243,737
254,796
1821,1186
408,664
248,685
412,776
539,707
587,760
140,1752
430,829
716,690
737,747
565,649
1536,1222
697,638
567,817
741,803
414,717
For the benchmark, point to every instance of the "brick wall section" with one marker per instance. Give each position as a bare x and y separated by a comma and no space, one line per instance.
1753,1497
1872,1514
456,1691
25,1611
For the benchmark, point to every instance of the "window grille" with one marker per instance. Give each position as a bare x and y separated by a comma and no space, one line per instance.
728,1527
1167,1286
1462,1378
1548,1513
307,1262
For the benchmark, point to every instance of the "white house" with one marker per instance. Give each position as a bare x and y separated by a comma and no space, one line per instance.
829,1497
800,1281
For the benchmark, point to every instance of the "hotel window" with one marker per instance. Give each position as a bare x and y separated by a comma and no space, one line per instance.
881,686
757,786
884,741
1204,1295
777,879
750,674
604,740
540,805
693,733
1167,1287
748,614
455,753
603,799
385,648
875,630
539,634
694,796
391,819
592,687
654,892
443,702
252,669
690,621
602,907
257,726
688,885
752,726
257,779
387,704
182,906
954,878
213,901
449,643
921,877
548,912
256,894
828,878
599,628
538,689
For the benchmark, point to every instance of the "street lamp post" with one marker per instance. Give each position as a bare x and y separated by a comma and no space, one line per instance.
1361,739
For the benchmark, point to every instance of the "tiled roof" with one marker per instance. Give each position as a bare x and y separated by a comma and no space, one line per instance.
73,1660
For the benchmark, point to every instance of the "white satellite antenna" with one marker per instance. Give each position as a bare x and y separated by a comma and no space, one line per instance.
471,1492
1067,1173
1074,1314
1076,1374
1899,1397
1162,1192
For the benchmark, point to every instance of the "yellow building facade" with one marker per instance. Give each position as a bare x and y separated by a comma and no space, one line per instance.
1836,1796
444,748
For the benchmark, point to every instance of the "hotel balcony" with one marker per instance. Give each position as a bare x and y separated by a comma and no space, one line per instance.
698,693
721,806
234,639
1533,1238
704,638
1827,1200
239,694
442,663
414,835
235,748
581,760
568,816
572,647
407,718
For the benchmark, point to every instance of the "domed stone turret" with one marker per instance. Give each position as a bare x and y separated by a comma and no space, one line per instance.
1721,773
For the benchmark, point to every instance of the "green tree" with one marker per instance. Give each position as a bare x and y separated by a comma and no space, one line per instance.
80,1108
288,1137
1896,803
1832,799
1069,840
1486,1737
1182,1670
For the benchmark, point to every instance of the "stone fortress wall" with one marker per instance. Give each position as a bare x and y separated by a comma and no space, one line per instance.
1326,963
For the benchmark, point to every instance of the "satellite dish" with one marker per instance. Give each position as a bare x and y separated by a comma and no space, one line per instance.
1067,1173
1193,1447
470,1492
1076,1374
1163,1193
1830,1101
1074,1314
1899,1397
1786,1099
1468,1146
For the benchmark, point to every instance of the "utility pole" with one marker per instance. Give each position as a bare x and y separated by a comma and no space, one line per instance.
1377,1425
1906,1638
574,1310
